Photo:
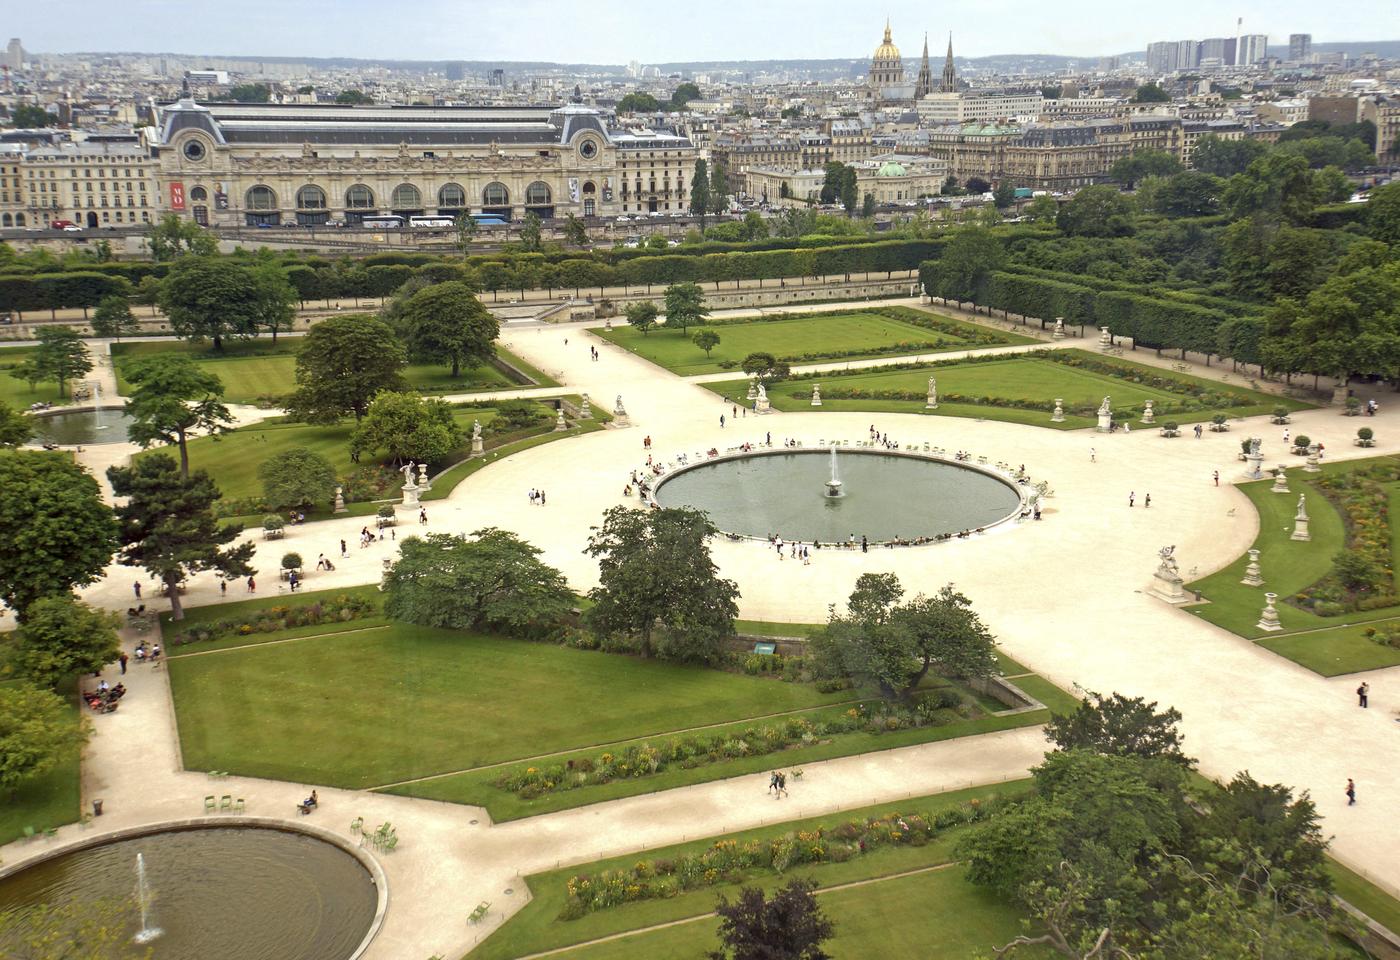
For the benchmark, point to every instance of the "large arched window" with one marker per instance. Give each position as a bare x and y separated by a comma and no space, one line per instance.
359,197
495,195
199,194
19,219
537,194
451,197
406,197
311,197
261,198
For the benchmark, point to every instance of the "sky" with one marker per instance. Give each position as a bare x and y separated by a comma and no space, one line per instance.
619,31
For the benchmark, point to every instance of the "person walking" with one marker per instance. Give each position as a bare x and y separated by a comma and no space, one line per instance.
773,781
344,552
1093,455
136,588
1132,495
782,785
422,516
864,545
542,500
1198,431
1217,478
721,421
1147,501
223,587
1351,792
1363,694
252,585
121,659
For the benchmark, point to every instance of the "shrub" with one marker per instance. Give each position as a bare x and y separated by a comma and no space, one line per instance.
291,561
1302,441
1280,413
386,510
1171,425
1218,419
1365,433
273,522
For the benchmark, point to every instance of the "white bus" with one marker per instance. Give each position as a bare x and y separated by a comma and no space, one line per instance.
388,221
431,222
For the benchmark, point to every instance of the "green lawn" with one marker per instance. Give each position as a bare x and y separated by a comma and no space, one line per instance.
1022,379
812,337
253,370
379,706
1327,645
16,392
48,800
924,910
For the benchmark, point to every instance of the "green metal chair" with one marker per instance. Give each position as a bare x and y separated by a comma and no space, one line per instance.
226,802
209,806
239,806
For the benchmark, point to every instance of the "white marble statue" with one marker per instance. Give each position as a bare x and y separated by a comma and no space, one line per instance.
1166,567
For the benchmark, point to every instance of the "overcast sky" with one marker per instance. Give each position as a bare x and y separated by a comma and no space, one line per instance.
613,31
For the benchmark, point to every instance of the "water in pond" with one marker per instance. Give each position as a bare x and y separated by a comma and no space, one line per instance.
83,426
217,893
882,496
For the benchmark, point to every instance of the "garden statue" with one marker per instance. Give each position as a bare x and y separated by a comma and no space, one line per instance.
1166,558
478,448
1300,520
1059,415
1166,582
1105,424
932,403
816,394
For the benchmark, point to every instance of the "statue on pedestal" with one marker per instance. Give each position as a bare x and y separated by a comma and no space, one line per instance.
1105,414
932,403
1166,582
477,447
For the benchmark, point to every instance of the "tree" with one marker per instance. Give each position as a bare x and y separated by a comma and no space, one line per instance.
353,97
1383,214
465,226
36,732
977,185
850,193
1100,211
684,93
408,427
274,298
60,356
446,324
638,102
62,637
297,477
658,583
706,340
755,227
171,397
1119,726
530,233
57,532
867,205
113,317
494,581
168,527
788,926
1151,93
1190,193
210,298
764,365
575,233
893,646
641,315
1042,209
1004,194
700,190
1144,163
30,116
172,237
719,188
16,426
343,362
1275,186
250,93
685,305
1225,158
968,262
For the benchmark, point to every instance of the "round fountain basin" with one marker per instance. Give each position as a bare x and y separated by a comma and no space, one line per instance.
88,427
883,496
219,893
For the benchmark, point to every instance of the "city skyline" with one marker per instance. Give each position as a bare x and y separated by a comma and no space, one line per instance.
606,32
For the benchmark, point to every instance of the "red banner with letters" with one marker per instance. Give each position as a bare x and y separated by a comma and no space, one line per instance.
177,196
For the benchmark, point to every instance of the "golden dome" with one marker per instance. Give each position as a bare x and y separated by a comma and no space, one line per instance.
887,50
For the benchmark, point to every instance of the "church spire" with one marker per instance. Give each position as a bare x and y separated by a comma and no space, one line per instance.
925,83
950,76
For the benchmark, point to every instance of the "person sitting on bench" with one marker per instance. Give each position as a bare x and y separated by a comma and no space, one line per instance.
306,805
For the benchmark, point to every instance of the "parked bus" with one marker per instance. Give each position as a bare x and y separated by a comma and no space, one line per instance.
388,221
488,220
432,222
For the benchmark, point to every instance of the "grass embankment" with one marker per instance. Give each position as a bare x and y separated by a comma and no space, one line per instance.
48,800
16,392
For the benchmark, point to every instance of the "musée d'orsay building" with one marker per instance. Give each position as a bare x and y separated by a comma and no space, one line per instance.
249,164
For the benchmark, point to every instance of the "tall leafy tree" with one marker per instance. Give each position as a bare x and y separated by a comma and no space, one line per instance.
1188,194
445,323
297,477
1121,726
211,298
1275,186
530,233
37,730
171,398
575,233
1225,158
719,188
16,426
343,362
62,637
658,583
172,236
31,116
1100,211
60,356
850,193
493,581
700,190
113,317
275,299
168,527
641,315
57,532
972,255
1383,214
408,427
789,925
1144,163
685,306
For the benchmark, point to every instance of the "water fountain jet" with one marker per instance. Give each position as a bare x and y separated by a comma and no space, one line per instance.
147,933
833,486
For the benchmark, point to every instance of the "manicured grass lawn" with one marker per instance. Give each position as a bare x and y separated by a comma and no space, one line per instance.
970,915
250,610
48,800
1327,645
1025,379
386,705
841,334
775,628
255,369
16,392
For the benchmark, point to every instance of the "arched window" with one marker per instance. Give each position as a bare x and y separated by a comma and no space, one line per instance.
359,197
197,193
261,198
537,194
451,197
6,221
311,197
406,197
495,195
19,219
589,189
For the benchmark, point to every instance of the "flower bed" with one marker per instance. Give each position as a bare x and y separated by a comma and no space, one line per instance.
648,759
730,861
1364,578
342,609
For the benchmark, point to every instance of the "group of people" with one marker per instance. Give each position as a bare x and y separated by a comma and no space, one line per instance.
144,653
777,784
796,549
104,698
537,497
323,562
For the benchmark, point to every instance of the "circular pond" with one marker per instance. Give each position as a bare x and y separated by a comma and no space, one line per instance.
83,426
883,496
217,893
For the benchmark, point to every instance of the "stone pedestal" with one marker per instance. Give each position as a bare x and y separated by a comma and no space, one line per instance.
816,394
340,500
1105,340
423,485
932,403
585,410
1300,522
1169,587
1280,481
1059,333
1147,414
559,423
1105,421
1313,465
1059,415
410,496
762,405
620,414
1253,576
1254,469
1268,619
478,448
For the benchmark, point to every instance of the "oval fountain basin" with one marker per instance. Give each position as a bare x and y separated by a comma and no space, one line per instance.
87,427
218,893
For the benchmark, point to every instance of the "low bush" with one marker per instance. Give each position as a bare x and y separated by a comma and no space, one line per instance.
340,609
